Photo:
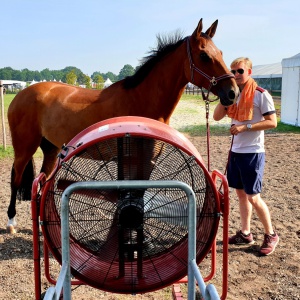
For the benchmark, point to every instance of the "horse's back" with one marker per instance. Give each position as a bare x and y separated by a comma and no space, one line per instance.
57,111
40,96
31,95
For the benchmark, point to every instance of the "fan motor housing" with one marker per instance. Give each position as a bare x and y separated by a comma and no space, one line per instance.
130,241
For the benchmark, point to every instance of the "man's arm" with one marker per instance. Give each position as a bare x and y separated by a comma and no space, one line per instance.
269,122
219,112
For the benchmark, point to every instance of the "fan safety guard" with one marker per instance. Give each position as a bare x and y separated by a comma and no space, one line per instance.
129,241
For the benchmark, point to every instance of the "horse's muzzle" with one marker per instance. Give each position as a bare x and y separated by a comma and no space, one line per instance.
229,98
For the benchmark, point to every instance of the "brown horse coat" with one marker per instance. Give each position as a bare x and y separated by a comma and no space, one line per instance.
49,114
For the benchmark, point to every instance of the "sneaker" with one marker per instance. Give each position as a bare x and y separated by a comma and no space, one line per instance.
241,239
269,244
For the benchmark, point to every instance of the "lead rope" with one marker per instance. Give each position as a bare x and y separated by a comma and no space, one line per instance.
207,133
207,102
229,154
226,167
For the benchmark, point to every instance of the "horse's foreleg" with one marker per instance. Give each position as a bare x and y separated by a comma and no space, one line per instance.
22,176
26,138
11,212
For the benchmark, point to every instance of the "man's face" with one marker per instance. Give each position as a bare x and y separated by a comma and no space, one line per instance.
239,68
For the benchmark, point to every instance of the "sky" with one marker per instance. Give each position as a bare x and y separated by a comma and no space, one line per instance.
103,36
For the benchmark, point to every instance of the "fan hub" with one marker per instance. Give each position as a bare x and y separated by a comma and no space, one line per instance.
131,212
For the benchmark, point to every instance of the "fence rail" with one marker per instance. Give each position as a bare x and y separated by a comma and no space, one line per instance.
192,91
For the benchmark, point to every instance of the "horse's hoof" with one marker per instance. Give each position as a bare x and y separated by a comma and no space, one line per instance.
11,229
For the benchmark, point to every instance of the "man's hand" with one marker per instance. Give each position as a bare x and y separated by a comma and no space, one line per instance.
236,129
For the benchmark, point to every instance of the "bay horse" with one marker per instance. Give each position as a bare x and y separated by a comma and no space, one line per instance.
50,114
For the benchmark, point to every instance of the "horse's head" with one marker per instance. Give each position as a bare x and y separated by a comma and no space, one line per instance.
207,68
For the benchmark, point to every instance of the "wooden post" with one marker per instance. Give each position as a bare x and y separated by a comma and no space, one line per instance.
2,115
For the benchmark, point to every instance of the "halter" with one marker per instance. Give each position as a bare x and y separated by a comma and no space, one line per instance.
212,79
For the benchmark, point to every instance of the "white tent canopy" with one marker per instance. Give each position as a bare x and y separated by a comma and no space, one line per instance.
290,95
107,83
268,76
267,71
291,62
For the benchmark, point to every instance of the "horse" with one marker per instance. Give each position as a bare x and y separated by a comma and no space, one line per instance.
50,114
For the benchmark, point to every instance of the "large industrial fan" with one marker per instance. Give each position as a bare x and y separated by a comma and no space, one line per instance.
129,240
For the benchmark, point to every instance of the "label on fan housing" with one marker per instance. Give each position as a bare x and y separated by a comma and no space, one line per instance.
103,128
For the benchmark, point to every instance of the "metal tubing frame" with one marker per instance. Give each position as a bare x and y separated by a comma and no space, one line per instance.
65,273
224,205
47,267
36,233
208,292
35,213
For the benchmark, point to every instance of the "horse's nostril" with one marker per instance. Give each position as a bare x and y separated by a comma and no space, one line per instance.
231,95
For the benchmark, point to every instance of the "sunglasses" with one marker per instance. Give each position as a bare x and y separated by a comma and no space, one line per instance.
240,71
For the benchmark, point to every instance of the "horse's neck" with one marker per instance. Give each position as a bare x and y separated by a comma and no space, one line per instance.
167,81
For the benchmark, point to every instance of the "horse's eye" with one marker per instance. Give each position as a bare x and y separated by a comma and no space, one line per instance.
204,57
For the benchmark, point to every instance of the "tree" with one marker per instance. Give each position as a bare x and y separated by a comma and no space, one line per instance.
113,77
81,78
57,75
9,73
71,78
74,69
46,74
98,79
127,70
30,75
6,73
25,74
94,75
87,81
37,76
18,75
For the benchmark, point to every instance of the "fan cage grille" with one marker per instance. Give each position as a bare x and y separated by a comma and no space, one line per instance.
95,235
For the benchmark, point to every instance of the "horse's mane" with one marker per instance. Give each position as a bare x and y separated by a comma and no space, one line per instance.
165,45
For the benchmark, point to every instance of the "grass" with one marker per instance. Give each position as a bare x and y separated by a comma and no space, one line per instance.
7,100
221,129
285,128
200,130
189,105
8,152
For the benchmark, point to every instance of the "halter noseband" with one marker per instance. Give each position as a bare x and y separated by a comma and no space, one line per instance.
212,79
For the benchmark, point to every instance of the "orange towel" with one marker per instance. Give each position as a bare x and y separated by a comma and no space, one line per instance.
243,110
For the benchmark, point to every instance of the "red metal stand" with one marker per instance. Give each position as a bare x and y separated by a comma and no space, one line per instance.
224,205
36,234
35,211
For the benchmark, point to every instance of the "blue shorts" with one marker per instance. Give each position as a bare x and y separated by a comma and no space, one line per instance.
245,171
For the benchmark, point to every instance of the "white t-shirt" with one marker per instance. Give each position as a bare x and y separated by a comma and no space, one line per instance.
253,141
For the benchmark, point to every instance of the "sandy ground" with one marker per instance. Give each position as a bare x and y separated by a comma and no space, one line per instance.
275,277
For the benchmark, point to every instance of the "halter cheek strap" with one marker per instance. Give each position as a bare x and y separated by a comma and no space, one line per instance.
212,79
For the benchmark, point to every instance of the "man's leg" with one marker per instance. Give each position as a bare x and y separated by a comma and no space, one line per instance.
243,236
271,238
245,211
262,212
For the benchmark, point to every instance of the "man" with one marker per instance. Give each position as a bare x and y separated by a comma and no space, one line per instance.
253,113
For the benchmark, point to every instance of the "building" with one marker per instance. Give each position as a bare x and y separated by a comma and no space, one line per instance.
268,76
12,85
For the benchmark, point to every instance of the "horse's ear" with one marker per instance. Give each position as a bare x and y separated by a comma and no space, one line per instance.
212,29
197,32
